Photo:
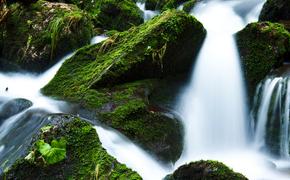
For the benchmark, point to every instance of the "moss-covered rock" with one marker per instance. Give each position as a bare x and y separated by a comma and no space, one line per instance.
111,14
92,77
205,170
36,35
263,46
276,11
84,156
163,4
189,5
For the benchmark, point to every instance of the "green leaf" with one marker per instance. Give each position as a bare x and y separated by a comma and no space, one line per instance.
42,147
55,155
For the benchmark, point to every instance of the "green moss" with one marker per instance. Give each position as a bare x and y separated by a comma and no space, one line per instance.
263,46
86,159
40,33
128,56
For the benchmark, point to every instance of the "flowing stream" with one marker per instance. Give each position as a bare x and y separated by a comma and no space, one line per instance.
212,106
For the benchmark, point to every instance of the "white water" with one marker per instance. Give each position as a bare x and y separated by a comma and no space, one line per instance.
133,156
213,106
275,98
147,14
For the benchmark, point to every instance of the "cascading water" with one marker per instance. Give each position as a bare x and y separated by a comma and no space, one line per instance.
271,113
213,106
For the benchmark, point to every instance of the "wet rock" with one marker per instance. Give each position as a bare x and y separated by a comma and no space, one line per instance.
36,35
13,107
276,11
204,170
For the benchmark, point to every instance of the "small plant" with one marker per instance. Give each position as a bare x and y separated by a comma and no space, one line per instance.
49,153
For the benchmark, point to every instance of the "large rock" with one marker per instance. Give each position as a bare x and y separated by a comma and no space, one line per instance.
111,14
164,46
84,157
36,35
263,46
276,11
204,170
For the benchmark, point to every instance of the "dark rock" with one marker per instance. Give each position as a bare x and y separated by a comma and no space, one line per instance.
204,170
35,36
275,11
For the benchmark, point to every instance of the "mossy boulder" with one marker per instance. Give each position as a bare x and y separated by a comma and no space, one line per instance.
276,11
204,170
116,77
84,156
35,36
111,14
263,46
163,4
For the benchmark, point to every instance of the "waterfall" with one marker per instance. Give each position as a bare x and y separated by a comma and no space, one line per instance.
213,106
272,116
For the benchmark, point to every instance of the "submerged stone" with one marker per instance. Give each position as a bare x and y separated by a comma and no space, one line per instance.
13,107
35,36
116,77
204,170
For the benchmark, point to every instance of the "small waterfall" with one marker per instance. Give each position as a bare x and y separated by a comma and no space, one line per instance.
271,113
213,106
